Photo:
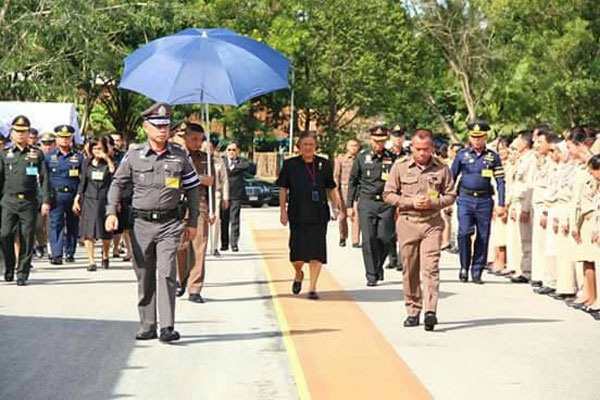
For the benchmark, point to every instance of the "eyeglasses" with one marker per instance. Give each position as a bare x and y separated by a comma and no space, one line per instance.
231,149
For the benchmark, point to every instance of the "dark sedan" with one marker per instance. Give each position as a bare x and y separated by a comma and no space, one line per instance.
259,192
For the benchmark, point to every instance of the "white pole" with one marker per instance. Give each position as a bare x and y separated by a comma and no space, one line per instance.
292,119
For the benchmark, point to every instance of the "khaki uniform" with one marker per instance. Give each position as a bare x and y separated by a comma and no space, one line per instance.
221,194
584,220
582,176
191,257
420,231
341,175
541,184
521,201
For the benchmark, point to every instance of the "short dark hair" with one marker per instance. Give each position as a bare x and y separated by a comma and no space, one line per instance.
307,135
551,136
594,162
93,141
455,145
422,133
502,141
578,135
527,136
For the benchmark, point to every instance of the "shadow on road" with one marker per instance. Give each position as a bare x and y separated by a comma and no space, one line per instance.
232,337
478,323
60,358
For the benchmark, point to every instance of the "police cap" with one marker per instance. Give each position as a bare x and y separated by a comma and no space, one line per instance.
379,132
48,137
64,131
398,130
478,129
21,124
158,114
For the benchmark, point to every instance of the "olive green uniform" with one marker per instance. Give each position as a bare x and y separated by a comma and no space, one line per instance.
20,171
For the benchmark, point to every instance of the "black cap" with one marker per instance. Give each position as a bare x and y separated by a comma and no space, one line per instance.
398,130
21,124
379,132
478,129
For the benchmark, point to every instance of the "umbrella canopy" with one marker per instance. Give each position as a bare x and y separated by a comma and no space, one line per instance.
205,66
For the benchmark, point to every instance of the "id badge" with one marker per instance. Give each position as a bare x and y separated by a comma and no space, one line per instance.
433,194
31,171
315,196
73,173
97,175
172,182
385,176
487,173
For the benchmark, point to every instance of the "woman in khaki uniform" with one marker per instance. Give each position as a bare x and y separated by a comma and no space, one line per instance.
579,144
499,233
594,165
512,239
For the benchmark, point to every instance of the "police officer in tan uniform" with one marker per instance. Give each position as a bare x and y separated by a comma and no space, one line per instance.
159,172
521,207
341,175
191,258
221,196
419,187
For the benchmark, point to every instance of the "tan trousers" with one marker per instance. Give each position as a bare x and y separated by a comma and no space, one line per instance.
521,246
343,222
566,282
538,246
420,250
551,244
191,258
513,242
215,229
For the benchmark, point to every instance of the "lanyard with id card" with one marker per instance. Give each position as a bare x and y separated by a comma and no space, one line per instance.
172,181
312,174
31,170
97,175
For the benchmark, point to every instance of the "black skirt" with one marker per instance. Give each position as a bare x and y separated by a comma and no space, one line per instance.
308,242
92,219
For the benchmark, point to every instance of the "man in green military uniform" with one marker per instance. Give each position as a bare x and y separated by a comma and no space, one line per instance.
20,168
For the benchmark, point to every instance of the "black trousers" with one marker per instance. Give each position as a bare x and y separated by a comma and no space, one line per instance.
378,235
231,216
18,218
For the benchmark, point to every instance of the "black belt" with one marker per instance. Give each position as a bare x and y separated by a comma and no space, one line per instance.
65,189
376,197
476,193
155,216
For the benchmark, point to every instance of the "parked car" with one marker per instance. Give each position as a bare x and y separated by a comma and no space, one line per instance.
260,192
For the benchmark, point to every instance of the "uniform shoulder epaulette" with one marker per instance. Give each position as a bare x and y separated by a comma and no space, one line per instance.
177,148
136,146
364,151
438,160
402,158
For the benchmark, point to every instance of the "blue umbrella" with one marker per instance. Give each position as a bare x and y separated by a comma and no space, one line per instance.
205,66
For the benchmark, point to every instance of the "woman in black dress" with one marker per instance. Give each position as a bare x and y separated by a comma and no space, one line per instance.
90,201
308,179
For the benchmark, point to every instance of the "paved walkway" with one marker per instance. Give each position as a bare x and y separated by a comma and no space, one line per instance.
69,335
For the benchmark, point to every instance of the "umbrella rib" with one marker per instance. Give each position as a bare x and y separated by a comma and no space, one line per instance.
187,51
230,81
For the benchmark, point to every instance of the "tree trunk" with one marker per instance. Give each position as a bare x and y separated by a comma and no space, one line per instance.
430,102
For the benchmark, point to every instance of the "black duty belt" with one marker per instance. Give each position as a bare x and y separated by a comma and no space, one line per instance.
476,193
64,189
376,197
155,216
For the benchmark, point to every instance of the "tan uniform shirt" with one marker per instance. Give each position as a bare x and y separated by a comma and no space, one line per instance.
521,192
408,180
221,180
541,180
200,162
341,174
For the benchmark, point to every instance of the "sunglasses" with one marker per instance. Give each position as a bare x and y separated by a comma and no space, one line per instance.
231,149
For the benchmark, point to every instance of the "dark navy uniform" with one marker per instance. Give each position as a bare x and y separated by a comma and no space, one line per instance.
65,171
367,180
475,202
21,168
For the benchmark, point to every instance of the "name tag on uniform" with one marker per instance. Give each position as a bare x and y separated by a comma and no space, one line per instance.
73,173
385,176
97,175
487,173
172,182
433,194
31,171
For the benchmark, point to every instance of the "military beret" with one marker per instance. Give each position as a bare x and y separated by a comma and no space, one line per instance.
398,130
158,114
21,124
64,131
379,132
478,129
48,137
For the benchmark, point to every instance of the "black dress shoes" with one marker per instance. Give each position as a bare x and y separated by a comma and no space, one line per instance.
371,283
596,315
56,261
21,282
297,285
313,296
342,242
356,245
477,281
391,265
463,275
519,279
224,248
561,296
380,276
146,335
430,320
105,264
216,253
235,249
453,250
180,291
410,322
196,298
92,267
536,283
70,259
544,290
168,334
9,276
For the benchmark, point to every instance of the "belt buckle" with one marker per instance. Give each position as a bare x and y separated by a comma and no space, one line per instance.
20,196
154,216
475,194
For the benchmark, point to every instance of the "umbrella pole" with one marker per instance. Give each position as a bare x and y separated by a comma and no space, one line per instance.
209,158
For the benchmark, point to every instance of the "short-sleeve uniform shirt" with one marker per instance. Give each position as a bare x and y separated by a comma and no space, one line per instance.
307,184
